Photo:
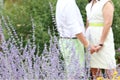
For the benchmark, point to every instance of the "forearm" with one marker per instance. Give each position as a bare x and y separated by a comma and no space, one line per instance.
83,40
108,11
87,24
105,32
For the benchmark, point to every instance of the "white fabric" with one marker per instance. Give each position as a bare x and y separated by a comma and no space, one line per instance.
94,13
68,18
105,58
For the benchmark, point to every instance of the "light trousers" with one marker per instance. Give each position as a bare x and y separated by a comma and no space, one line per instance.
73,54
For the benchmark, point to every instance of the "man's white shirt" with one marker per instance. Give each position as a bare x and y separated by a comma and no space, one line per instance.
68,18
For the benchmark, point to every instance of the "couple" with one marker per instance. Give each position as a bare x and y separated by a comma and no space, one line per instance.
97,38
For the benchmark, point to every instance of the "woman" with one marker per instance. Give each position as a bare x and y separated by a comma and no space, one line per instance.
99,33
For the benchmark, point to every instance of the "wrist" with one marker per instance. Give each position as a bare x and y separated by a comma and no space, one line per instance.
101,44
88,47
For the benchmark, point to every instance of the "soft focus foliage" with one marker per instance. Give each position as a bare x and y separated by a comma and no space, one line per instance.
21,11
20,57
18,62
116,23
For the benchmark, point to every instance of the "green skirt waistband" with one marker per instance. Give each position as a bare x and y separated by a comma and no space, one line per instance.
100,24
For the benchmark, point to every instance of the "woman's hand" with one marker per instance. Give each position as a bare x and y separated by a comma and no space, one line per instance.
95,48
98,47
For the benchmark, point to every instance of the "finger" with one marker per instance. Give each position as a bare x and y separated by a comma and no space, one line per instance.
98,48
92,51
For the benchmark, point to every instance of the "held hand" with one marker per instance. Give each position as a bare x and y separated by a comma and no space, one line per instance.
93,49
98,48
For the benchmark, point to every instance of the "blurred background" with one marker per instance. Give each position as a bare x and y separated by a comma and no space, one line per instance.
20,13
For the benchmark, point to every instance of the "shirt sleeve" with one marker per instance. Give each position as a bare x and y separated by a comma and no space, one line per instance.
74,19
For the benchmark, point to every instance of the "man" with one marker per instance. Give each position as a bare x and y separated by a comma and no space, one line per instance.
71,30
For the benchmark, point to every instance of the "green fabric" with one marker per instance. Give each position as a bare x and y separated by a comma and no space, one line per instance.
96,24
1,6
73,53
